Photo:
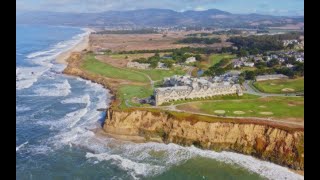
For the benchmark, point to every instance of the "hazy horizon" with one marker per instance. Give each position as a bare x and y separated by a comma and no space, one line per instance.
266,7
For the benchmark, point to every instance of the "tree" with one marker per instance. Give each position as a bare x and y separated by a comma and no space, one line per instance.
290,46
250,75
168,62
261,64
198,57
153,64
273,62
243,53
291,60
254,51
241,79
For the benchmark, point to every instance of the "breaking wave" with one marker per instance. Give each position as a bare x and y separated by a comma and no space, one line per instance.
135,169
43,61
21,145
173,155
62,89
84,99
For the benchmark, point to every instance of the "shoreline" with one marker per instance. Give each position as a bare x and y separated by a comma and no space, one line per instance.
83,44
100,80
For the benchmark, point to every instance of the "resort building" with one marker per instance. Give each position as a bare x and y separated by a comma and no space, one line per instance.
185,87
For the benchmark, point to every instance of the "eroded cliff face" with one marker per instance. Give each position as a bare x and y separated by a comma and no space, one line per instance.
278,145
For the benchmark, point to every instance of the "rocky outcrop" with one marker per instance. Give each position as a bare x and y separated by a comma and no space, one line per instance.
278,144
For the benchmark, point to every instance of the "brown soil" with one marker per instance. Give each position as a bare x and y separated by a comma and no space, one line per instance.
287,90
129,42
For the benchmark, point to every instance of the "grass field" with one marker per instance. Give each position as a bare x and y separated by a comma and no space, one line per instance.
281,85
93,65
158,74
128,92
278,107
215,58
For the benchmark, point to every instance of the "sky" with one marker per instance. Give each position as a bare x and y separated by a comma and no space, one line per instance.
271,7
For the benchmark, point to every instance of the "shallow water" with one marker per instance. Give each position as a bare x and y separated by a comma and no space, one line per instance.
55,116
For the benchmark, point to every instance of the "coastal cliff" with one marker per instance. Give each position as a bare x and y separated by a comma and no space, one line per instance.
265,140
274,143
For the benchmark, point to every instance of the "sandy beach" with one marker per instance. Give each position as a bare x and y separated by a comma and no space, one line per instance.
83,44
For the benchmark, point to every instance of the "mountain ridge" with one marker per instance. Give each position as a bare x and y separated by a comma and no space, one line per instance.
152,18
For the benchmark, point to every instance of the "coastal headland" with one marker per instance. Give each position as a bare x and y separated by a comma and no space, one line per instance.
268,134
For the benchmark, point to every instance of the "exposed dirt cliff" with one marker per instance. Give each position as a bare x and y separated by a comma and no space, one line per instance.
269,142
274,142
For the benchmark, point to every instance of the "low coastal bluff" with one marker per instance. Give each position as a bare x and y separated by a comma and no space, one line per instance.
275,143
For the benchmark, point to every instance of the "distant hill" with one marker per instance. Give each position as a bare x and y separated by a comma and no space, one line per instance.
156,18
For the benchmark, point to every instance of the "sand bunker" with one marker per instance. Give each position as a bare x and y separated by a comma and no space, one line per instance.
219,111
266,113
287,89
238,112
262,106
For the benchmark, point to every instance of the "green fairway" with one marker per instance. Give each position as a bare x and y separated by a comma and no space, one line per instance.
93,65
158,74
279,107
215,58
281,85
128,92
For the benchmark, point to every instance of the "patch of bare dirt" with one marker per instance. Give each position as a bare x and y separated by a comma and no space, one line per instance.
287,90
266,113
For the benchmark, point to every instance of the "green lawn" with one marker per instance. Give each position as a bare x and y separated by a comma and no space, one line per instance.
93,65
128,92
279,86
158,74
215,58
279,107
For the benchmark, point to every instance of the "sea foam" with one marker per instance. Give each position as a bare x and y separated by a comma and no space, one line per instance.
57,89
21,145
133,168
43,62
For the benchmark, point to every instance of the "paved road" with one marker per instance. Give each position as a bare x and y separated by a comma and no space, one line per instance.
251,90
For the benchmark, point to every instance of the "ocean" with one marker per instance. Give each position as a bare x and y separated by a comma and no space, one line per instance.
56,116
